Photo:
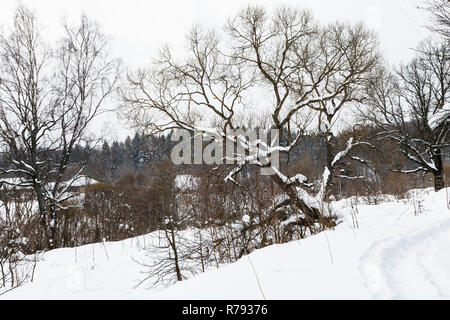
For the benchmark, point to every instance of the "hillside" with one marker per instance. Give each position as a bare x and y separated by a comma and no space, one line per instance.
400,250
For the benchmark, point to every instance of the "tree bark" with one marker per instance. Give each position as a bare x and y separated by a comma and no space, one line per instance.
310,213
329,166
439,181
172,243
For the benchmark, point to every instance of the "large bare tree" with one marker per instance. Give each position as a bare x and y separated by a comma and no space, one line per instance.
286,57
47,99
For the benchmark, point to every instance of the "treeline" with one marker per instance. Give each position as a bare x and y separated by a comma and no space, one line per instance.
110,161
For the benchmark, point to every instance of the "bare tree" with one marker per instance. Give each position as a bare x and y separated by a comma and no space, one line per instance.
173,249
410,107
440,12
340,62
287,56
210,89
47,99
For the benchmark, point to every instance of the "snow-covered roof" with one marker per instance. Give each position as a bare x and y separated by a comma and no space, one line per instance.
186,182
84,181
17,183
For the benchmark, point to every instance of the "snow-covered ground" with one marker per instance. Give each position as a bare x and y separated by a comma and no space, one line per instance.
401,250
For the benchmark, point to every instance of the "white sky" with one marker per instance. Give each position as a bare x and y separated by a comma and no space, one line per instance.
138,28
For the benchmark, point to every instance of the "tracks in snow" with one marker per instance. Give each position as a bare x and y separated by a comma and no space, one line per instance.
414,265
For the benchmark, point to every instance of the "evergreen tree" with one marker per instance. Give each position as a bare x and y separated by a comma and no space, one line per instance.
105,164
136,150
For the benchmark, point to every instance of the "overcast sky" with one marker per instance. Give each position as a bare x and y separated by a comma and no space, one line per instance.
138,28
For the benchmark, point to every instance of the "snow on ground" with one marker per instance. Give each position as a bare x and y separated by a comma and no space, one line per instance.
401,250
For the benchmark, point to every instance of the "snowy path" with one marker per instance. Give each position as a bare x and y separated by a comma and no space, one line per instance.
415,265
394,254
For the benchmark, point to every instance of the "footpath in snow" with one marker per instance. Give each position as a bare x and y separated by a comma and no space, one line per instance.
401,250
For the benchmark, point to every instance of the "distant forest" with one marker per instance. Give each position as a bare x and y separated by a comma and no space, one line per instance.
108,162
140,154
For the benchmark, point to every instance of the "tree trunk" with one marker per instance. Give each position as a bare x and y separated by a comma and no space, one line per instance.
53,227
43,213
172,243
439,182
310,213
329,166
